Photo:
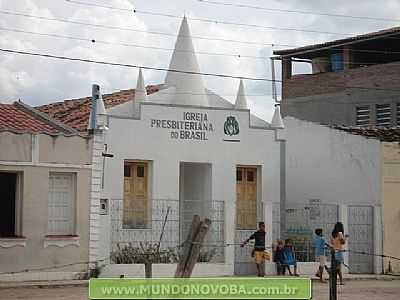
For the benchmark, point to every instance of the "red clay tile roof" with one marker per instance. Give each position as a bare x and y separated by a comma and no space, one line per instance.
75,113
382,134
350,40
14,118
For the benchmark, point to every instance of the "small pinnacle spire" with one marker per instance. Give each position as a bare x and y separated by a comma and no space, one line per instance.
140,92
241,101
277,118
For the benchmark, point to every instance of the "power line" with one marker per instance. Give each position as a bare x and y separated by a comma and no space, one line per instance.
104,260
113,89
174,35
179,71
93,41
143,12
298,11
131,65
20,14
124,44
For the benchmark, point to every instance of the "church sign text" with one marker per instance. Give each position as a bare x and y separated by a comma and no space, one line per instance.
192,126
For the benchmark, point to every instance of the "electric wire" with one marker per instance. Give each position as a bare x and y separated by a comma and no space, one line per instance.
124,44
131,65
20,14
100,62
269,44
59,266
297,11
205,20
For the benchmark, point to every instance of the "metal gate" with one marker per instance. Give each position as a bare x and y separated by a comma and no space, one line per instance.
301,222
244,263
361,238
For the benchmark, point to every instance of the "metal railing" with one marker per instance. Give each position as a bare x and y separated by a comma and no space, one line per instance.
161,225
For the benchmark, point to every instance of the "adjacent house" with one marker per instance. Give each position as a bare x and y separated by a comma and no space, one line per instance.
45,185
353,81
344,174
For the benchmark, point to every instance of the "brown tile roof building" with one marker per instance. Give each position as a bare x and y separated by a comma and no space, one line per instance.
75,113
19,117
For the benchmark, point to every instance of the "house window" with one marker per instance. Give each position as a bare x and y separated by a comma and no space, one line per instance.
10,204
383,115
246,199
61,203
363,115
136,199
398,114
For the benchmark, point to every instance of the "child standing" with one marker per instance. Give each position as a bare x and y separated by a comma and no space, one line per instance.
290,258
319,246
338,240
279,258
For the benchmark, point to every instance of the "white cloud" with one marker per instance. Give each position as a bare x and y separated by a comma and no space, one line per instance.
38,80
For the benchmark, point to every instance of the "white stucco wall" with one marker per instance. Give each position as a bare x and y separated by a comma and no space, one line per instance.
136,140
336,168
331,165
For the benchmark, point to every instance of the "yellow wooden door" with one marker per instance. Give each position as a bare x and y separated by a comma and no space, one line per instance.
246,202
135,195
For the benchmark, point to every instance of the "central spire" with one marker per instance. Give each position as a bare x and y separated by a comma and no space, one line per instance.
189,87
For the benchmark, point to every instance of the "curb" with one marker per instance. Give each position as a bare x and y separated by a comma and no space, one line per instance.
85,283
44,284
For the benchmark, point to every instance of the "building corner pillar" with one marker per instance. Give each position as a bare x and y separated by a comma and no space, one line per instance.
94,205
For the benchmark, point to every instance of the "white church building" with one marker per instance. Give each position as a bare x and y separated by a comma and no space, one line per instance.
181,151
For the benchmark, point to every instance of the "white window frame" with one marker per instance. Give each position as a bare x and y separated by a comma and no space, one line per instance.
72,232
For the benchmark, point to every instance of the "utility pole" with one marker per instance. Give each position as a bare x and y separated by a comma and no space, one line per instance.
333,275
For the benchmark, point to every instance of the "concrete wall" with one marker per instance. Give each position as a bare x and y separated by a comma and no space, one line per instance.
31,249
15,147
57,149
331,165
136,139
336,168
328,97
391,204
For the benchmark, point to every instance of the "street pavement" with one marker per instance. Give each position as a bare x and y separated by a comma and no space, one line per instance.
386,289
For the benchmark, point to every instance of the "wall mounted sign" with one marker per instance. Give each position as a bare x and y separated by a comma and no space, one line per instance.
192,126
231,128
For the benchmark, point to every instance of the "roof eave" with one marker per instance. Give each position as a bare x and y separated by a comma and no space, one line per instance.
333,44
45,118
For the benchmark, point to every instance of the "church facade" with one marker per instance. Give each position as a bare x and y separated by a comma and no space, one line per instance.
181,151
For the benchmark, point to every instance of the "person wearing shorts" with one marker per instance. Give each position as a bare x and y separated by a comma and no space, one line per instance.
260,255
319,249
338,240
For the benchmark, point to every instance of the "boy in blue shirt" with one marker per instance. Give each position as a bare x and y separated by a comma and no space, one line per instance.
290,257
319,246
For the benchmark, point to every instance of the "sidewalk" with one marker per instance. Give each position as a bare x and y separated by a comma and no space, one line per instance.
41,284
72,283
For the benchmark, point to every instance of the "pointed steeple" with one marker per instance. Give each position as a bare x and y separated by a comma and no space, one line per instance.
140,92
189,87
241,101
277,118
